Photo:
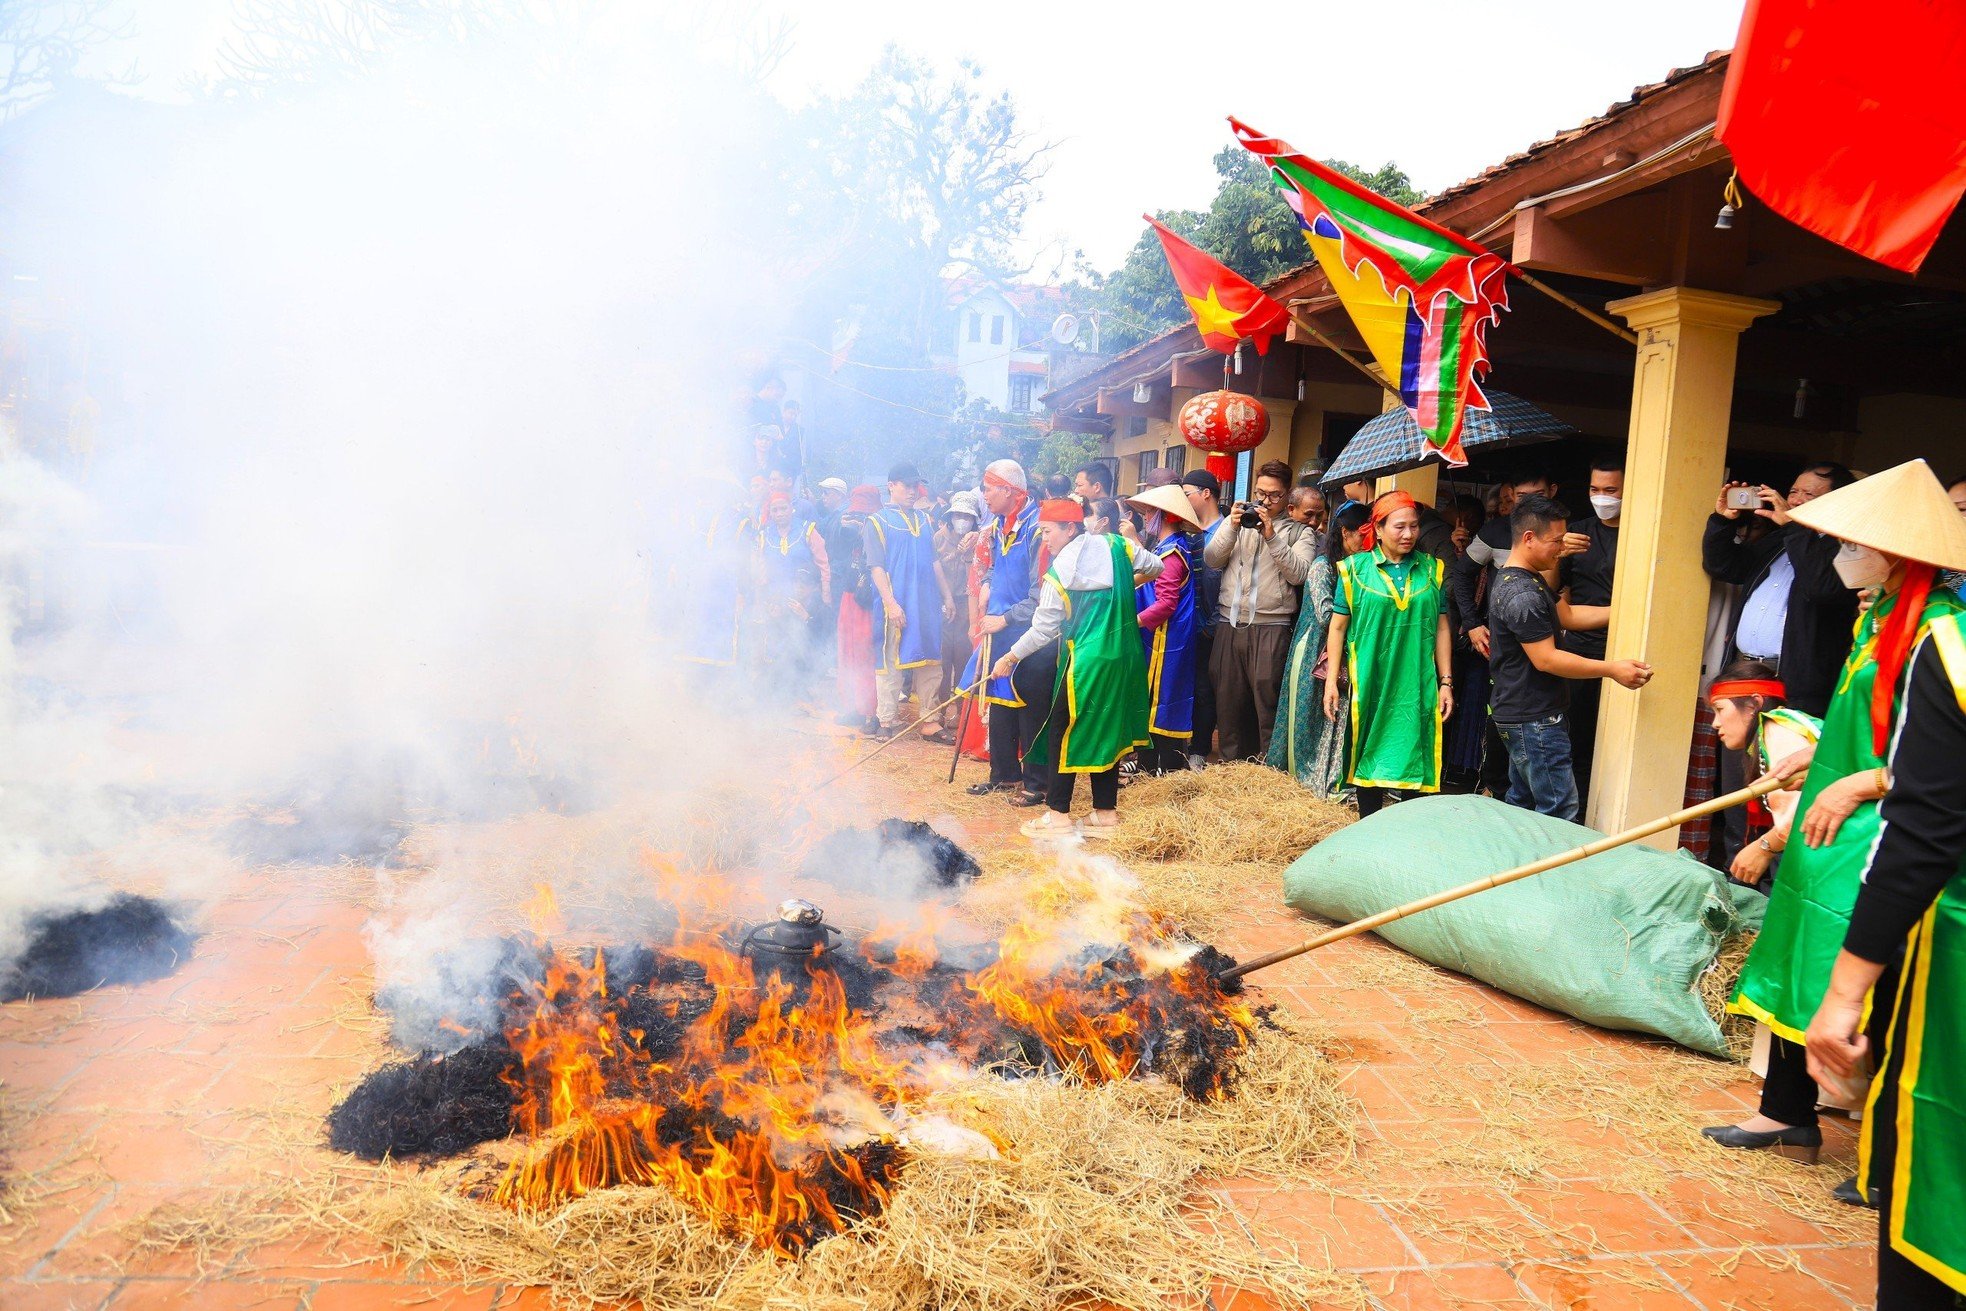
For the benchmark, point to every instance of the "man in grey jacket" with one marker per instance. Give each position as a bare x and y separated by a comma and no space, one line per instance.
1264,557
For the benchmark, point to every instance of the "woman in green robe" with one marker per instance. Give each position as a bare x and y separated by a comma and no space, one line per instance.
1788,970
1389,632
1099,709
1306,745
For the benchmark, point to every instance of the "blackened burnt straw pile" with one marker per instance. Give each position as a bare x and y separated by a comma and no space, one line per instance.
128,939
779,1084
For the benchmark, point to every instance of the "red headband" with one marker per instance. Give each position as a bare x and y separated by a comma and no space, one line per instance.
1382,510
1062,510
998,480
1768,687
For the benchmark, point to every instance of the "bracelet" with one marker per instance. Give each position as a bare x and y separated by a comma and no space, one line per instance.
1883,781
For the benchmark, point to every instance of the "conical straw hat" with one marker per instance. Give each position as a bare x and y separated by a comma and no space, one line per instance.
1170,499
1903,512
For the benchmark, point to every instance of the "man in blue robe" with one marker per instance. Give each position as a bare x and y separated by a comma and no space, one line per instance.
914,599
1018,704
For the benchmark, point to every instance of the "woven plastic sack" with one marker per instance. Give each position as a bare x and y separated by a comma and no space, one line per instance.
1619,939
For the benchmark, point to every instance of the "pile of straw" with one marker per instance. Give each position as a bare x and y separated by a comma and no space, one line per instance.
1717,985
1091,1200
1235,814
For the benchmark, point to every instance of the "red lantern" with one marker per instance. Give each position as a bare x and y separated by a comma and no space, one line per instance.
1225,424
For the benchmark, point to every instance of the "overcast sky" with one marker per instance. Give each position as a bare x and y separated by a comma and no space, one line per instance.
1135,96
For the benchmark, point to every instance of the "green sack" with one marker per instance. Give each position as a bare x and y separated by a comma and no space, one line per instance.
1619,939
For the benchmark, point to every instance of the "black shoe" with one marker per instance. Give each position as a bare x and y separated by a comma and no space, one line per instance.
1802,1142
985,789
1026,800
1846,1192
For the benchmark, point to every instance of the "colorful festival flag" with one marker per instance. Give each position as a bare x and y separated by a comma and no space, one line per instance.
1847,119
1228,307
1421,296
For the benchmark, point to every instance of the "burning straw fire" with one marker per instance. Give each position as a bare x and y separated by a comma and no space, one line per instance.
779,1085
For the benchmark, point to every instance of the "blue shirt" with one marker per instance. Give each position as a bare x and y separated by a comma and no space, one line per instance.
1766,611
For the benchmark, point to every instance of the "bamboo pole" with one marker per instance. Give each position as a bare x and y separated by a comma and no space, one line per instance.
1345,355
1760,787
898,735
1569,303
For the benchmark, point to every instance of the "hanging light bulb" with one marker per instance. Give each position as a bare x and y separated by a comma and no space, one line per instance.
1238,359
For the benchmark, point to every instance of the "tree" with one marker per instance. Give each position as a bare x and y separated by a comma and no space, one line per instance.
920,177
41,42
1247,226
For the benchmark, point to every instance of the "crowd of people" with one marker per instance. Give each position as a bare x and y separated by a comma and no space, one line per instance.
1376,648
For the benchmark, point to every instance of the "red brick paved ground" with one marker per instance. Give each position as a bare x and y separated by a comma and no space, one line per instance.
130,1097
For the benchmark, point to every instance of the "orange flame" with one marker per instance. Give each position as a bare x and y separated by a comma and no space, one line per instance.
781,1110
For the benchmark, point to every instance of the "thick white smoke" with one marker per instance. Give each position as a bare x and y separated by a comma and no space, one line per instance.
409,392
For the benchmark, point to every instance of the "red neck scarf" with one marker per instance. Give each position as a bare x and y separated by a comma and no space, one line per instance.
1894,642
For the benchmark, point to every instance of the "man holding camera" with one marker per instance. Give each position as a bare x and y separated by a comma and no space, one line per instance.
1796,614
1264,557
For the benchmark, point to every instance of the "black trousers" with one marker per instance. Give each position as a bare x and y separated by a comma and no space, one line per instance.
1168,755
1788,1094
1584,696
1105,790
1058,793
1014,728
1494,759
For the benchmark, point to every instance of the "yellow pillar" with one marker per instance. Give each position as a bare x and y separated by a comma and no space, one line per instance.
1422,484
1682,397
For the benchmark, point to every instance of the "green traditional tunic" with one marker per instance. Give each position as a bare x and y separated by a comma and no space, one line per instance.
1306,745
1389,654
1787,971
1102,672
1924,1064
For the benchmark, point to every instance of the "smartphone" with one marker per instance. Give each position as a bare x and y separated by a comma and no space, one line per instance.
1743,498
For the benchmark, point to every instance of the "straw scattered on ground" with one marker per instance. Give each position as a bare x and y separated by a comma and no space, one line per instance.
1092,1198
1233,814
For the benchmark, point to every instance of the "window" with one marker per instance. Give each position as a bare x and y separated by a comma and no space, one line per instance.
1149,461
1176,459
1023,390
976,327
1136,425
996,329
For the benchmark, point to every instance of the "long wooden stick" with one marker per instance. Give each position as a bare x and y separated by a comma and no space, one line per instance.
1568,303
1760,787
1345,355
898,735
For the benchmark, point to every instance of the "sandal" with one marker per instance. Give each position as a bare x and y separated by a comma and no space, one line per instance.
1025,800
1042,827
937,736
1100,831
986,788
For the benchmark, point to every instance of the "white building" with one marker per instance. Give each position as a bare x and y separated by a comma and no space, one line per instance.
1002,346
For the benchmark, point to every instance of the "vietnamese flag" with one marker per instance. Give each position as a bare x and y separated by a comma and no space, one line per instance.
1228,308
1848,118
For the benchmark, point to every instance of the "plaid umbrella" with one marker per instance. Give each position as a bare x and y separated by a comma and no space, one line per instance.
1392,441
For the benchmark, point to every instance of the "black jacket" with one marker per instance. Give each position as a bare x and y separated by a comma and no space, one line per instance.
1822,611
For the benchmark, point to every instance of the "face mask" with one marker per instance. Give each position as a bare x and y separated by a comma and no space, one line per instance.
1607,507
1860,566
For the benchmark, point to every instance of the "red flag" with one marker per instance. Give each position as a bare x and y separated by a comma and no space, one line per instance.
1847,118
1228,307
